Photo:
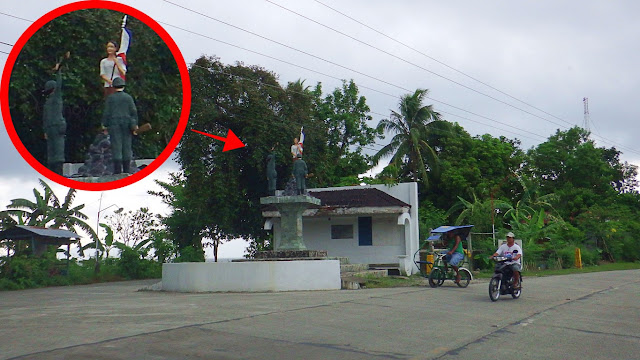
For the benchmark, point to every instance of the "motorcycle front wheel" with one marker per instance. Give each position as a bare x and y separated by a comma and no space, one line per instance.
494,289
436,277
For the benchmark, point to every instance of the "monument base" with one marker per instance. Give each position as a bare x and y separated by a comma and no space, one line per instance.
254,276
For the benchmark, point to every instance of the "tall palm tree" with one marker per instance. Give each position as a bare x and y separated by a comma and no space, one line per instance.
48,211
409,149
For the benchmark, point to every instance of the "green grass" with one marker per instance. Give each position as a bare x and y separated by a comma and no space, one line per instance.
393,281
586,269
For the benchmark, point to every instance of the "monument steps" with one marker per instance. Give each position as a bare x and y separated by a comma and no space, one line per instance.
353,276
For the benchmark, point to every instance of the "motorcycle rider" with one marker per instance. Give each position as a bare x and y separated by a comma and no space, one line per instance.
513,251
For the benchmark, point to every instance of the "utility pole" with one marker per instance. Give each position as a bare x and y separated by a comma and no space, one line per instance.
586,114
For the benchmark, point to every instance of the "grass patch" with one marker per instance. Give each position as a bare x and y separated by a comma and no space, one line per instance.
393,281
586,269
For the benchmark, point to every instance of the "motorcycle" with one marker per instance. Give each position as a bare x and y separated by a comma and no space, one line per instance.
502,280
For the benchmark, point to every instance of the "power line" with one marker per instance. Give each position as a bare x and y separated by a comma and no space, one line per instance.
4,52
372,112
455,107
284,45
418,66
324,74
2,42
436,60
330,62
13,16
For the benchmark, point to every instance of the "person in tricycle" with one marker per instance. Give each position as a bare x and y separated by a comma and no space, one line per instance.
455,254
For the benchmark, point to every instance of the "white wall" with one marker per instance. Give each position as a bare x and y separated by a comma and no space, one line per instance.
387,239
252,276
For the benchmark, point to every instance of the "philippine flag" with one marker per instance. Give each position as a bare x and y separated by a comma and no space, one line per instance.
301,141
125,40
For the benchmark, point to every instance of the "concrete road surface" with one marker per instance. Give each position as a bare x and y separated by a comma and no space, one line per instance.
584,316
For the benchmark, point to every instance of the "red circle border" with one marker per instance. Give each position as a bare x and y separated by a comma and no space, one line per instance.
82,5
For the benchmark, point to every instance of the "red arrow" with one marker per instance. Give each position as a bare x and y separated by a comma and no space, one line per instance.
231,142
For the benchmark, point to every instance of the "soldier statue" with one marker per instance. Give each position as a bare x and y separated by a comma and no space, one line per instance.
272,174
54,124
120,120
300,172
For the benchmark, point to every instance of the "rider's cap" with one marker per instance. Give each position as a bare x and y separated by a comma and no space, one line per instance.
510,234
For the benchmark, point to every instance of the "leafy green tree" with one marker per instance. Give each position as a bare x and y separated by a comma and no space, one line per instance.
153,80
483,165
409,149
249,101
183,225
579,173
342,129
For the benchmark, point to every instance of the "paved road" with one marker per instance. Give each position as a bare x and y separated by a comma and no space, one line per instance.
585,316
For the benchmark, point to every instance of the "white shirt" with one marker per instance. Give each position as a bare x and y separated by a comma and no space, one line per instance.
295,150
107,67
505,249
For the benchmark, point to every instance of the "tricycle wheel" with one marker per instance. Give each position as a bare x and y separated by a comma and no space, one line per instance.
465,277
436,277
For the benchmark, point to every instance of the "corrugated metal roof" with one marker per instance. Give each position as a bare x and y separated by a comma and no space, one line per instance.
23,231
357,198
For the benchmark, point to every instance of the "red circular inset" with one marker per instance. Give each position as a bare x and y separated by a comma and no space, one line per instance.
95,4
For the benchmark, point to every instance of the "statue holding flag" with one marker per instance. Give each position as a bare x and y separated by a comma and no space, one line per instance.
297,147
115,64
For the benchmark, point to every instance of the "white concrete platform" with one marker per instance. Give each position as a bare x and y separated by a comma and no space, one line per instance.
252,276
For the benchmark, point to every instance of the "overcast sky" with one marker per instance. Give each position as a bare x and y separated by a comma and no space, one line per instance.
544,57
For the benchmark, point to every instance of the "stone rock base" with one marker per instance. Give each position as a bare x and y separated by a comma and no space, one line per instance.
289,254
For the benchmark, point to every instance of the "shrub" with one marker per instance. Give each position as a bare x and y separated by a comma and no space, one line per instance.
190,254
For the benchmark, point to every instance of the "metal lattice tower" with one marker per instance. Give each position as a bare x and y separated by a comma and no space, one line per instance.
586,113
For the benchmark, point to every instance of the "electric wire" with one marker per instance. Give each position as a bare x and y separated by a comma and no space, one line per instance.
17,17
334,77
438,61
258,82
315,71
4,43
418,66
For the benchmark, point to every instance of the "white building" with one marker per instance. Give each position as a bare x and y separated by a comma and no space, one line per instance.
373,224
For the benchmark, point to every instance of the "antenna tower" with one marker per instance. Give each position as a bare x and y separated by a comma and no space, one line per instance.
586,113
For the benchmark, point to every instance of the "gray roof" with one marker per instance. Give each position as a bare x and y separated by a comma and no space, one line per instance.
23,231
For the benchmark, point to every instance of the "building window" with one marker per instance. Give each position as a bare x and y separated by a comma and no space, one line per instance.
342,231
365,231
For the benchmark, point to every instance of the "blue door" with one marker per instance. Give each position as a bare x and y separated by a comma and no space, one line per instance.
365,232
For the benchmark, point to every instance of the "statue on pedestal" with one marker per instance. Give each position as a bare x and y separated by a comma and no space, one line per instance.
272,174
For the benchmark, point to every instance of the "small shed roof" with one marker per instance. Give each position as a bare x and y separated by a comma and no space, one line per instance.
20,232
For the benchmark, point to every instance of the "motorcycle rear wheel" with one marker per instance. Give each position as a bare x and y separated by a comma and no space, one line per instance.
516,293
494,289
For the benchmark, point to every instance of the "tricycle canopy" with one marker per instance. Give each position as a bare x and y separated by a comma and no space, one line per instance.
462,230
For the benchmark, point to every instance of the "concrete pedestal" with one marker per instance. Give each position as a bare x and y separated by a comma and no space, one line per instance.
291,208
254,276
